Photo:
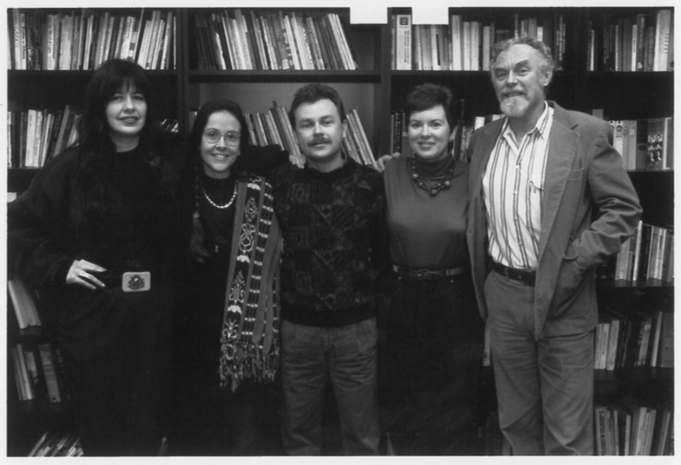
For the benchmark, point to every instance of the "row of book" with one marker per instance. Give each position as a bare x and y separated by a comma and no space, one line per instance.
84,38
632,426
249,40
57,443
38,372
465,45
644,42
645,144
35,136
638,338
647,254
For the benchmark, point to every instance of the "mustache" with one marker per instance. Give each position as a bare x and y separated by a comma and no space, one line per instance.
320,140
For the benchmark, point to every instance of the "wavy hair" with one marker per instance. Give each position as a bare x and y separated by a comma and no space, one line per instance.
95,197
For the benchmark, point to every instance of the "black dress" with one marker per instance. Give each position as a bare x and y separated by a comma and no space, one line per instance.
116,345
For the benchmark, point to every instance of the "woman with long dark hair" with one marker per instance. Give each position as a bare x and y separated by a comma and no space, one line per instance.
228,348
97,233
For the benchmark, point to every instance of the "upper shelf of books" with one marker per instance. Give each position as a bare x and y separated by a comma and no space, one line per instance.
304,40
81,39
631,39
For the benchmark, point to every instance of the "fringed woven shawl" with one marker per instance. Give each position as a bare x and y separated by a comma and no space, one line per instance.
250,328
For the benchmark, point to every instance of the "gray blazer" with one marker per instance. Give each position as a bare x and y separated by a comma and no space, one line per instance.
590,207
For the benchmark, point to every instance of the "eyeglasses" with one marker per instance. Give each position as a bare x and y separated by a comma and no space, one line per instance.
213,136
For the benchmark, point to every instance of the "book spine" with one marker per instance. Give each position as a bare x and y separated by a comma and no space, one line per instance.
320,63
403,41
50,372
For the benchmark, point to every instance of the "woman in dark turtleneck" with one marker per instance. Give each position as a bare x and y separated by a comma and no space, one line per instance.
435,333
228,344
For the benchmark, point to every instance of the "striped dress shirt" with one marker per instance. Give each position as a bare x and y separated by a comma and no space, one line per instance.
513,186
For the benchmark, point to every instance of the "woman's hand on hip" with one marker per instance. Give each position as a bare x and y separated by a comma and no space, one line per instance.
82,273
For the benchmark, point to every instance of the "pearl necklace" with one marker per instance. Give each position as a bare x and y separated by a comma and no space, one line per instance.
433,191
221,207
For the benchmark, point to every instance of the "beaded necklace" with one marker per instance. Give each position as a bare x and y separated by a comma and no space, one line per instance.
433,191
221,207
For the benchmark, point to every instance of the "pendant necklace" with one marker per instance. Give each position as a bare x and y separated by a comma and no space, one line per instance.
221,207
433,191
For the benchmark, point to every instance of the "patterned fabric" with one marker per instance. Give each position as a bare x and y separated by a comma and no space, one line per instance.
336,246
250,339
517,169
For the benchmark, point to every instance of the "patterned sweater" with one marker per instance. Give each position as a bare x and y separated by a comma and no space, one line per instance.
336,254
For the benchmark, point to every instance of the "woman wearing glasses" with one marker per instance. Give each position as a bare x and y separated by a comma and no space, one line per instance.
229,346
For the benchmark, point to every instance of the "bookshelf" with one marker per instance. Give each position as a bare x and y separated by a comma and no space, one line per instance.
376,89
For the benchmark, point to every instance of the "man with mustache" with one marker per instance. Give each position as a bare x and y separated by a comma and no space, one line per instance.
549,201
332,214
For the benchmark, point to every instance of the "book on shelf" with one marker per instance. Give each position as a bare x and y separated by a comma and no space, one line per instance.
36,376
23,302
632,426
51,366
81,39
645,144
464,44
38,135
238,39
640,42
604,429
647,255
666,347
402,41
274,127
24,369
635,338
57,443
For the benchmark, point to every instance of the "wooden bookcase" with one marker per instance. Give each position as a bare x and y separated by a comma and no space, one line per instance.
375,90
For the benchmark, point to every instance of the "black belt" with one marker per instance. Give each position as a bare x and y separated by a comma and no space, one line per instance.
526,277
426,274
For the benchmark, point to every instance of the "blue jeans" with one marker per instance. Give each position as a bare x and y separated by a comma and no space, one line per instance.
347,356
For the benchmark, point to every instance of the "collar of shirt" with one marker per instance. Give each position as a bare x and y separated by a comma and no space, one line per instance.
542,127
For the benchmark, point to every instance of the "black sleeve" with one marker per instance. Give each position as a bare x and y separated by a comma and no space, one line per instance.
37,232
261,161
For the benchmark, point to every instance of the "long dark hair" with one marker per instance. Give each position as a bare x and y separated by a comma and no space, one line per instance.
95,197
197,248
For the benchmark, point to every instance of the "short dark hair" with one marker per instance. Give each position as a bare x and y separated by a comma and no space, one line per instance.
426,96
210,108
312,93
547,64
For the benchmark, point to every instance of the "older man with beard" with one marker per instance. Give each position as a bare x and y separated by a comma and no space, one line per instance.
549,201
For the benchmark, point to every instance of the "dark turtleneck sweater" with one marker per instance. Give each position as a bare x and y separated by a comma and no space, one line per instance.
427,231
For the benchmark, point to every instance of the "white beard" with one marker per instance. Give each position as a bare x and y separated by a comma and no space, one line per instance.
514,107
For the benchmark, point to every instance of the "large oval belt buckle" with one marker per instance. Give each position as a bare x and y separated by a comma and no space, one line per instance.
136,281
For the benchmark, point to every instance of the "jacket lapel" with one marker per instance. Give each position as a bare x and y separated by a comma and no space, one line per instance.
563,143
